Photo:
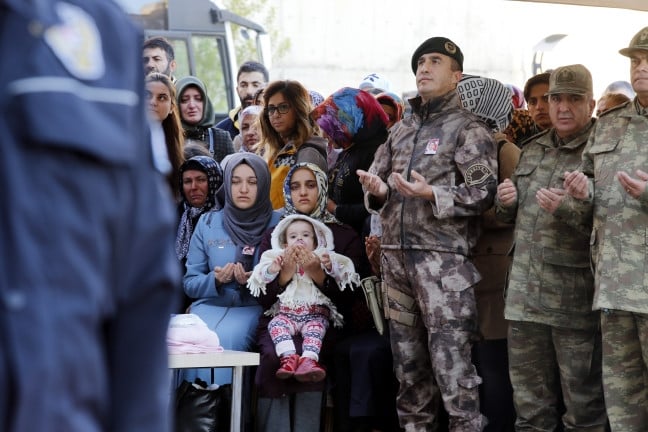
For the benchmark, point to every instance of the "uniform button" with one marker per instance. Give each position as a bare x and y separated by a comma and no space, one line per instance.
14,300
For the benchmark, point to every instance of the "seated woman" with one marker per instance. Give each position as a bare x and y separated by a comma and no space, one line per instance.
290,405
199,179
290,136
197,116
223,252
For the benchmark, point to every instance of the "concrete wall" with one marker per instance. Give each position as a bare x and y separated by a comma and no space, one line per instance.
336,43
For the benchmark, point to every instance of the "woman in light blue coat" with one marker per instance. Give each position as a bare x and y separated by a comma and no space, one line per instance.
222,254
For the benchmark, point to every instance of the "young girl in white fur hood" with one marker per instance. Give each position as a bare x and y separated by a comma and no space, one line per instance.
302,307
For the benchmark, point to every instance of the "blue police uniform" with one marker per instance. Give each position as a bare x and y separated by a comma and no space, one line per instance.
88,275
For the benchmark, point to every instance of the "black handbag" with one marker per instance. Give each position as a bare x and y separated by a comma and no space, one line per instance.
198,409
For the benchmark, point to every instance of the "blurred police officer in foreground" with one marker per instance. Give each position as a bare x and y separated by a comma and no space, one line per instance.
554,342
88,270
612,184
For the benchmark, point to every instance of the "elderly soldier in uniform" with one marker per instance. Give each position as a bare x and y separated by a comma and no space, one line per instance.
431,181
612,184
554,341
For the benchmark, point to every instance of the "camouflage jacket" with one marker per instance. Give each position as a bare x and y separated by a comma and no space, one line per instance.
455,152
619,238
551,281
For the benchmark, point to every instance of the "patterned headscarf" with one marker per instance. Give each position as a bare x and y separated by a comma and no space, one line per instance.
350,116
521,128
319,212
214,173
517,96
488,98
393,100
315,97
246,227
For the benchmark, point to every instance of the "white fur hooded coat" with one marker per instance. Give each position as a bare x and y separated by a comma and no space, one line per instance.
301,290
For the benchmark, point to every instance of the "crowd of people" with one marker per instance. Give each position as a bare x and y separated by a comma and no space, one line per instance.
506,226
490,213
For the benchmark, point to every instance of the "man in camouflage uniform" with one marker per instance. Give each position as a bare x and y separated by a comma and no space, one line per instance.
431,181
612,184
554,341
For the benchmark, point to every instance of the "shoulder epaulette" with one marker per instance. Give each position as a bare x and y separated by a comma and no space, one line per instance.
534,137
614,108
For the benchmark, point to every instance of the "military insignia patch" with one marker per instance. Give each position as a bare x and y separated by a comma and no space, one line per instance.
566,76
432,146
76,42
477,174
450,47
643,38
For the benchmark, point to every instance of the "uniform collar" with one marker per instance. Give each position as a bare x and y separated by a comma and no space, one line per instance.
640,109
553,140
438,104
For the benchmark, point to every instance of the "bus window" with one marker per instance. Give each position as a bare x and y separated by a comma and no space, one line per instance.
210,69
245,43
181,57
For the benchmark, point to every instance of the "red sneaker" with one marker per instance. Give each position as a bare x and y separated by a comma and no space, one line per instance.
309,371
288,366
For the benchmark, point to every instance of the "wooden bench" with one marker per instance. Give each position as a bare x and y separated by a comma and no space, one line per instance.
236,360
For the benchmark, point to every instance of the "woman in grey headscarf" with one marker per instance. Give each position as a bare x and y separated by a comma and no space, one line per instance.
222,253
197,118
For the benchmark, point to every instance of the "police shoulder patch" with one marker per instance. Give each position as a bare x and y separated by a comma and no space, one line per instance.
76,42
477,174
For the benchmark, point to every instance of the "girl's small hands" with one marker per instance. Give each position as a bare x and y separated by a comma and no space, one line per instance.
290,258
311,263
276,265
326,262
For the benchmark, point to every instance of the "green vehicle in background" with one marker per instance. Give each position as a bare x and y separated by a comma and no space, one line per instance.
209,42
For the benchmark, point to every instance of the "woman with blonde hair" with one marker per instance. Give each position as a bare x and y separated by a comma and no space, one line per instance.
290,136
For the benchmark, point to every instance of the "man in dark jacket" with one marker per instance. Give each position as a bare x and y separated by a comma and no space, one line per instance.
251,77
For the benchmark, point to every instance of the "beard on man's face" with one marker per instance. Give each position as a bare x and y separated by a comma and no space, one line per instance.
247,101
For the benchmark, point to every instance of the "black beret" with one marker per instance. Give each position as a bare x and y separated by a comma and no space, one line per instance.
438,45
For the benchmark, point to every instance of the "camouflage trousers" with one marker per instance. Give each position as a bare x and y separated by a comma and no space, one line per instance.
547,363
432,357
625,369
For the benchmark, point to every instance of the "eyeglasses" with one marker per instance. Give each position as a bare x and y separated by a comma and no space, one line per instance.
282,108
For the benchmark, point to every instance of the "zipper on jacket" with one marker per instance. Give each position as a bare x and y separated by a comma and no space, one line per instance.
409,169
